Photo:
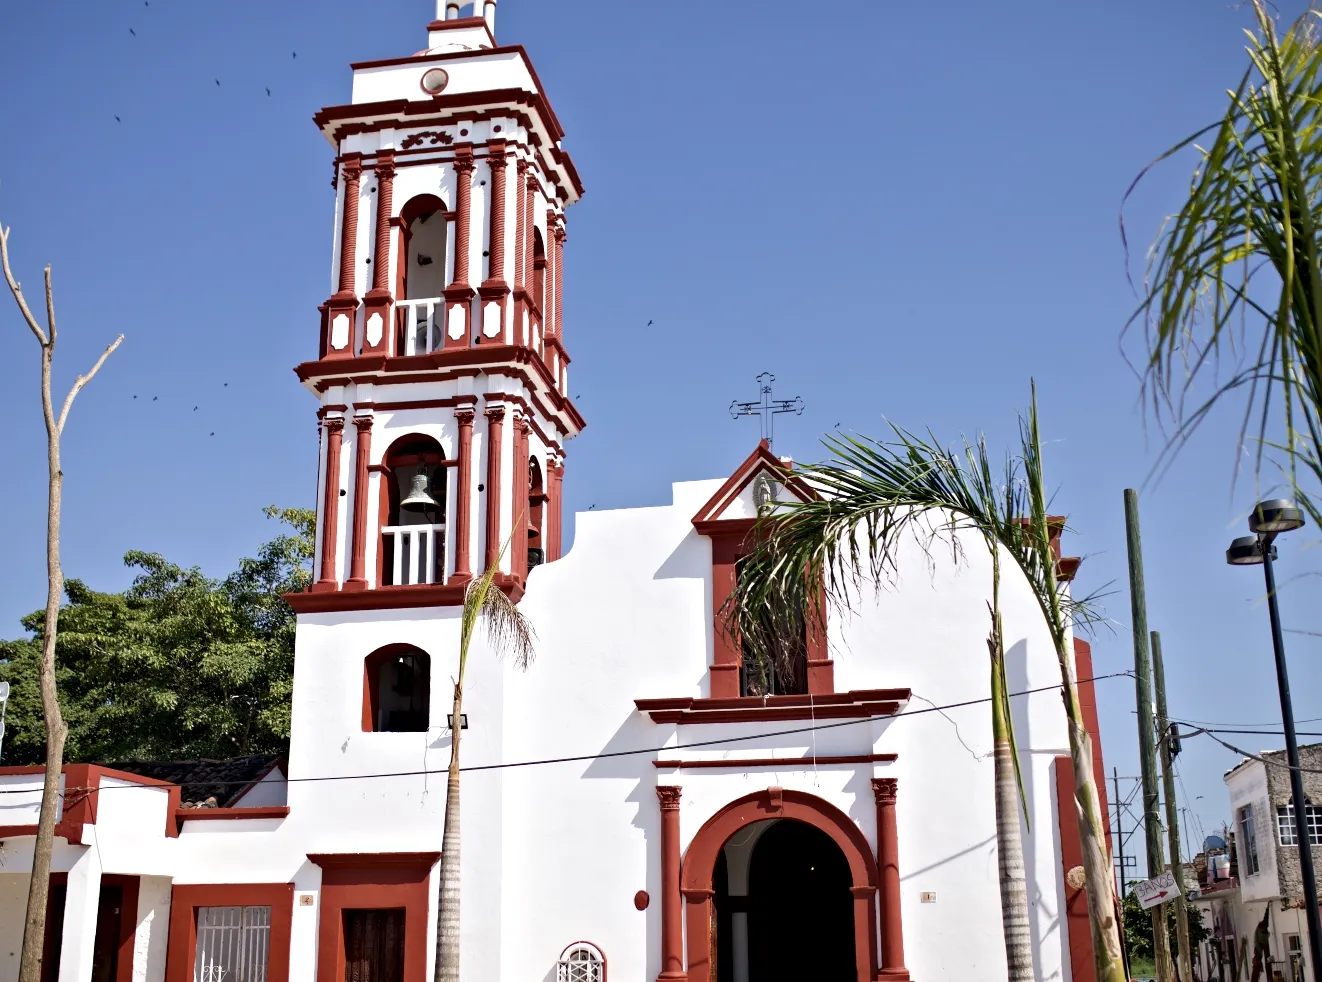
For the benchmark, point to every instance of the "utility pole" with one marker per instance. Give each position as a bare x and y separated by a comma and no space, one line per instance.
1172,813
1146,750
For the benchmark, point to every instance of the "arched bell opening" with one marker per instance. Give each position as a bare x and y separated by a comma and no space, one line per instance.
536,511
414,486
421,275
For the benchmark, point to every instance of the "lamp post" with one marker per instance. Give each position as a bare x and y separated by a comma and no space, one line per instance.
1269,519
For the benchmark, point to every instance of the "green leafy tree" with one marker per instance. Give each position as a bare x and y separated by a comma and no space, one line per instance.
177,666
1138,928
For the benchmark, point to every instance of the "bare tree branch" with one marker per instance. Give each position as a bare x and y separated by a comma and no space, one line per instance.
17,290
82,379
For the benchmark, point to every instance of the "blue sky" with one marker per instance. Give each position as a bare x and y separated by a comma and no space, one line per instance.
902,210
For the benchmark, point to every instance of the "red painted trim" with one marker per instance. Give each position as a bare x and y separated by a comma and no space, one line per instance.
224,814
181,949
82,787
839,705
1083,669
700,862
495,424
761,458
672,927
362,452
128,921
783,762
366,881
330,509
1078,929
463,172
496,159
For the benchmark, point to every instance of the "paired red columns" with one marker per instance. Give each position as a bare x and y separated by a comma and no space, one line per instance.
888,867
672,925
362,451
330,507
376,339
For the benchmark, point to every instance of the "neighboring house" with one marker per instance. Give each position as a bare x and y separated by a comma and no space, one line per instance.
1264,868
637,801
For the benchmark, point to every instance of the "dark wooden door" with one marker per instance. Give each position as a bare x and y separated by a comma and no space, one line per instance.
374,945
105,947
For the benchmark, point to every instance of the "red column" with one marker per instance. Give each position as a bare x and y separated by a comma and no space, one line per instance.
352,169
554,515
672,927
559,250
342,306
888,863
520,226
377,300
459,294
495,425
330,508
521,479
362,451
464,506
496,158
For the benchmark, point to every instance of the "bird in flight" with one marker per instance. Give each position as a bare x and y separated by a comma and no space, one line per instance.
217,81
133,32
213,432
154,398
118,120
194,409
649,323
268,91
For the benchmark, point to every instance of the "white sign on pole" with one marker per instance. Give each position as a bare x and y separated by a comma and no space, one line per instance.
1157,890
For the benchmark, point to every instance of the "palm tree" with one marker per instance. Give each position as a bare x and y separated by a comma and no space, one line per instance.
508,631
1235,275
821,553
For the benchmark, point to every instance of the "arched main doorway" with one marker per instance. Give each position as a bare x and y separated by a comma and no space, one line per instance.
782,906
780,885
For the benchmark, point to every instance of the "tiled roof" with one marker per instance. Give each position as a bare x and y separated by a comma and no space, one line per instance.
224,780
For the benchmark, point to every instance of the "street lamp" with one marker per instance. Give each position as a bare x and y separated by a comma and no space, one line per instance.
1270,519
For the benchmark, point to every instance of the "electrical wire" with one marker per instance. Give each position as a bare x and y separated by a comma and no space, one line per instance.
584,758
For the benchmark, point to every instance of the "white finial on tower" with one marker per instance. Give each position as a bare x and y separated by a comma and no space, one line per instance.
489,13
447,9
486,9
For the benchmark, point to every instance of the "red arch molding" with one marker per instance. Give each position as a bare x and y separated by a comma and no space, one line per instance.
700,862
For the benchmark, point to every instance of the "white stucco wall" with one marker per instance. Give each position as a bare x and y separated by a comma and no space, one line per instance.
1247,785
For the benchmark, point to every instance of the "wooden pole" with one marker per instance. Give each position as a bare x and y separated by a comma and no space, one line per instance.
1185,963
1146,746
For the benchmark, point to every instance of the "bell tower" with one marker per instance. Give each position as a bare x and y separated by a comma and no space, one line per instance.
441,369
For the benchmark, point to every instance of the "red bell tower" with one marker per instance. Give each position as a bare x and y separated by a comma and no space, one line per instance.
442,370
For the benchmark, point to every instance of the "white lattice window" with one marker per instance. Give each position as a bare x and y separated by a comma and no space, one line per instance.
233,944
581,962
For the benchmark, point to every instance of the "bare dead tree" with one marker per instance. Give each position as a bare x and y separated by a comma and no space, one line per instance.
34,927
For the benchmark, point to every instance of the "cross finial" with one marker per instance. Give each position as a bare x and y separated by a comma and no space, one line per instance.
767,408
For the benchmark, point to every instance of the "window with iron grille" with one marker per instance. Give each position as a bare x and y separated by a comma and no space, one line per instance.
581,962
1288,829
233,944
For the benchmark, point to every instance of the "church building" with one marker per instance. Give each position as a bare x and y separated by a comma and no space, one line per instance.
637,805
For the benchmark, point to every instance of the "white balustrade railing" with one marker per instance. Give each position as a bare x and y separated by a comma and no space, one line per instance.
416,555
424,324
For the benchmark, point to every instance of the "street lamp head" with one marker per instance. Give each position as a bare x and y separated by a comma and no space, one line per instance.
1277,515
1245,551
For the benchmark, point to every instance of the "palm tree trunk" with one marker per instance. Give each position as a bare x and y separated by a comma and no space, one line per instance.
1096,865
447,918
1009,837
1009,843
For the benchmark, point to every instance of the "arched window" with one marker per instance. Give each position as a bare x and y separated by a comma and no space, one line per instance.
420,277
536,509
413,489
396,690
538,272
581,962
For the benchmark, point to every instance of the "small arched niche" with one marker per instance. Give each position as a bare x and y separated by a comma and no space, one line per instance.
397,690
414,486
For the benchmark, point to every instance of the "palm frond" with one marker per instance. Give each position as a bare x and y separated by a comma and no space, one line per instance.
508,631
1233,278
876,495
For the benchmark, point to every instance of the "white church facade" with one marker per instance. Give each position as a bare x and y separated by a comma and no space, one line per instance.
635,806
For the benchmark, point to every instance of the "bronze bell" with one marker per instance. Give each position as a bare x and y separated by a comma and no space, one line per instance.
418,498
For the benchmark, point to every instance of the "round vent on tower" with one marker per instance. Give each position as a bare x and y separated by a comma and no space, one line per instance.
434,80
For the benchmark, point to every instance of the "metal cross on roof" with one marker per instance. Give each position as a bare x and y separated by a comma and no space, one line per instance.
766,407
